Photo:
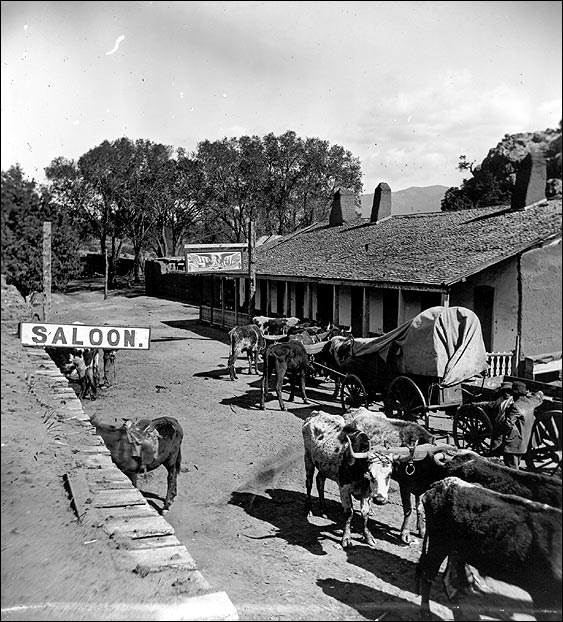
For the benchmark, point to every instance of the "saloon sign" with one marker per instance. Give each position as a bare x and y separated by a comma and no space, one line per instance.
214,257
83,336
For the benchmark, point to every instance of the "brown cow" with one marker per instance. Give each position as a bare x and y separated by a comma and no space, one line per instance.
291,358
145,445
247,339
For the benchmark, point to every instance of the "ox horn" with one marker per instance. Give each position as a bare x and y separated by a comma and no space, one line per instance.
440,452
356,455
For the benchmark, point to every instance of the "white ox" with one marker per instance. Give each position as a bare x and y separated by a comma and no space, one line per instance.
275,325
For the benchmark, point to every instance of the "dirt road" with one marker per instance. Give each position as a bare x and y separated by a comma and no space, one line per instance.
240,505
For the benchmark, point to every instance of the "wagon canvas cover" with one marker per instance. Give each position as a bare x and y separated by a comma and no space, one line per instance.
444,342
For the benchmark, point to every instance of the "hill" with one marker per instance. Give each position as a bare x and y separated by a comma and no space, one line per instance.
415,200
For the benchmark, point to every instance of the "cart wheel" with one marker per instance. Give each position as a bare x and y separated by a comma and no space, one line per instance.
544,449
353,393
404,400
472,429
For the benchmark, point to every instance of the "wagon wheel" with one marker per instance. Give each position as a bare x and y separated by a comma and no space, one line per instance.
404,400
353,393
544,449
472,429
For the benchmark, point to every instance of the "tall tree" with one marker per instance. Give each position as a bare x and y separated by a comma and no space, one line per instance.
233,173
25,207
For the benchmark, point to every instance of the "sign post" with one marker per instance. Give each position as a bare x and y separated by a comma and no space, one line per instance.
46,271
251,267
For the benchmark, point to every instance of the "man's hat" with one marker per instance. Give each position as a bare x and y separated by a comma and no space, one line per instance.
506,386
519,388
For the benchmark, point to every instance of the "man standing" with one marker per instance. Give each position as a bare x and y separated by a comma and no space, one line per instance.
496,411
519,421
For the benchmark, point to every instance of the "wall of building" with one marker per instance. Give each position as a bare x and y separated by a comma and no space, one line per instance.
164,281
503,278
541,300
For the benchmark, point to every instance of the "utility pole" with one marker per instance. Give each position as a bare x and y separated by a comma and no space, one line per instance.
46,271
251,267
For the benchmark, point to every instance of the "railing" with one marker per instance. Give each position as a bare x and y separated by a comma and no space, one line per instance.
223,317
500,363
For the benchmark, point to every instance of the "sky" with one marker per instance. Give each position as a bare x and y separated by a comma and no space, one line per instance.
406,87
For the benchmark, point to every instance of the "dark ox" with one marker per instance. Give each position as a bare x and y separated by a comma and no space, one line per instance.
417,477
135,448
333,357
247,339
356,452
285,358
506,537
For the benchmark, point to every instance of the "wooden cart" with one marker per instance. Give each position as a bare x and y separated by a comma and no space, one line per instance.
415,369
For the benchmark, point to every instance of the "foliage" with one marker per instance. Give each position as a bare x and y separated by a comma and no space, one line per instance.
492,182
25,208
155,200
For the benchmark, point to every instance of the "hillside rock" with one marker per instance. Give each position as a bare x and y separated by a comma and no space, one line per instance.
503,160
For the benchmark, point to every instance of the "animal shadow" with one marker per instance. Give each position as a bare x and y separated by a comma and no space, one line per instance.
369,602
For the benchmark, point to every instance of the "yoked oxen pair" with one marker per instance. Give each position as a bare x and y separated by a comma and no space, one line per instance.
358,453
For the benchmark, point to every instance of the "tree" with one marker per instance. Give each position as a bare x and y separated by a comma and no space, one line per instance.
492,182
233,172
25,207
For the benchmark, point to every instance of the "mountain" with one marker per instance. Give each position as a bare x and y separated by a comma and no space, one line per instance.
415,200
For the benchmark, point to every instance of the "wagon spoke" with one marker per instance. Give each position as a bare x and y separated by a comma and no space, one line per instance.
404,400
544,451
472,429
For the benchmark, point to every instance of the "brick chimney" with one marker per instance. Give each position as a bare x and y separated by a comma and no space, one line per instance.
381,207
345,207
529,188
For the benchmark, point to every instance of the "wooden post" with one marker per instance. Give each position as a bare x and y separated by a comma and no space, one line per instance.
251,268
46,271
106,273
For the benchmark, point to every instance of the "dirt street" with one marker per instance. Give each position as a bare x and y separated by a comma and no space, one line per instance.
240,504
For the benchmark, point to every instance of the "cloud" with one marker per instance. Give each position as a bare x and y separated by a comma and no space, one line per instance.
424,131
117,42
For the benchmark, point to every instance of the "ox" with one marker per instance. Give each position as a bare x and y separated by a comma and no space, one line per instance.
355,452
505,537
144,446
247,339
274,325
417,477
333,356
88,363
286,358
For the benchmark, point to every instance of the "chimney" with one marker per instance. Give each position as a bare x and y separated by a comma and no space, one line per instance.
345,207
381,207
529,188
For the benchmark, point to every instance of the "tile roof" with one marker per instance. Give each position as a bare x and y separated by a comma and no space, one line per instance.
437,248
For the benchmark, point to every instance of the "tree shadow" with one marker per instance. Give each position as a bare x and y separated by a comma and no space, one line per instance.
200,328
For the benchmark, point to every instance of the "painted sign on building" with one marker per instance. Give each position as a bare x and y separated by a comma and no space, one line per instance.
83,336
214,257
